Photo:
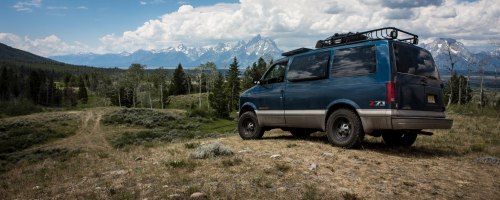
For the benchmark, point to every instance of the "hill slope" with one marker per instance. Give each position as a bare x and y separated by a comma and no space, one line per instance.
13,54
85,165
12,57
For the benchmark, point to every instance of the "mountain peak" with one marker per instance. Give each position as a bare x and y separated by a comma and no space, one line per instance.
448,40
255,39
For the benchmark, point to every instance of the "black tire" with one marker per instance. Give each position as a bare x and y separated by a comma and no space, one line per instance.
344,129
248,126
301,132
399,138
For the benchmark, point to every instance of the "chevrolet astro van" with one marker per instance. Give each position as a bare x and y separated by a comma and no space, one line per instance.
376,82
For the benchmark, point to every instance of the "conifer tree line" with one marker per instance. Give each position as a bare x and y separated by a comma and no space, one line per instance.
41,87
134,87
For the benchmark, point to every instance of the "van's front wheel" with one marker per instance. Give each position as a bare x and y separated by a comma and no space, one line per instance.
344,129
248,126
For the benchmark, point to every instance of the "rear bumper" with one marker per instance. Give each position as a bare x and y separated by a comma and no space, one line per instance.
421,123
389,119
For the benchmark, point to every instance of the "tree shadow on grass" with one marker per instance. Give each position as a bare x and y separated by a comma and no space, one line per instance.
377,146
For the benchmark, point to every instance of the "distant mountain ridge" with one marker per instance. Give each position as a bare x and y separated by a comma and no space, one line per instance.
221,54
464,58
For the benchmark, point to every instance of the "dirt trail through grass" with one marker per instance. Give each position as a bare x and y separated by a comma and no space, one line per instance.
89,136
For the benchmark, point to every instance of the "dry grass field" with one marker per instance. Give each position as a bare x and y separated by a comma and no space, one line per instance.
111,158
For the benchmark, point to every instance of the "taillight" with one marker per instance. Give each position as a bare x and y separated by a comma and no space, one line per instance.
391,92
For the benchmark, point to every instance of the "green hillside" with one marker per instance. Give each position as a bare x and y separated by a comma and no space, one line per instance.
16,58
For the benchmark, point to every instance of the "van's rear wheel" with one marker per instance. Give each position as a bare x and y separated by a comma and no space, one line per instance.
248,126
344,129
399,138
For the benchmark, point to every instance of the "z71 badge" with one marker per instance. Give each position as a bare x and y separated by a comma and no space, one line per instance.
376,103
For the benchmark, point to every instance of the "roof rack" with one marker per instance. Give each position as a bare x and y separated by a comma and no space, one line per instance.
296,51
389,33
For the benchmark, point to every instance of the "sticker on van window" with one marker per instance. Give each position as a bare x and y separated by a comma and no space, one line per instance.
376,103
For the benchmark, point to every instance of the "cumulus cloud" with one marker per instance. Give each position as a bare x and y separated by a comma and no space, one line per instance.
292,24
27,6
48,46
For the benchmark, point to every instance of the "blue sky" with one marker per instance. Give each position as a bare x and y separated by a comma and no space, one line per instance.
85,20
56,27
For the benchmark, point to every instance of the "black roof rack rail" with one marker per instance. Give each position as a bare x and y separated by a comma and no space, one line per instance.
389,33
296,51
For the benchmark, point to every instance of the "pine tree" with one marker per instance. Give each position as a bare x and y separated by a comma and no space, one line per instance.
179,82
4,84
82,91
233,85
218,99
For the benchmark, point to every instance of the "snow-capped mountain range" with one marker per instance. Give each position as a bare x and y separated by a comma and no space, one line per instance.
249,52
221,54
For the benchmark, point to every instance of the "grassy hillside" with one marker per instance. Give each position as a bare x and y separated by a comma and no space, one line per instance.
165,154
12,57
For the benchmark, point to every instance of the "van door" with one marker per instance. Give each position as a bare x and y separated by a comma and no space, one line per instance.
418,86
270,96
307,91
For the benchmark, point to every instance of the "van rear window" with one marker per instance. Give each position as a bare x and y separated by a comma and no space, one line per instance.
413,60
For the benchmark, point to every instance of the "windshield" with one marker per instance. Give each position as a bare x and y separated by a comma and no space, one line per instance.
414,60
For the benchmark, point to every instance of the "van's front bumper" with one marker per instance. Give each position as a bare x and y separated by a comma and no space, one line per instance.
391,119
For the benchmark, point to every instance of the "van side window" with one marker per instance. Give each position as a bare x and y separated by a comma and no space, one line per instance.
275,74
354,61
309,67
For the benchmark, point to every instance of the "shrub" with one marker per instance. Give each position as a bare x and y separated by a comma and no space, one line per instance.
211,150
23,107
200,113
178,164
191,145
142,117
22,138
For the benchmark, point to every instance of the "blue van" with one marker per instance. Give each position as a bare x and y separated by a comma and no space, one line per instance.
376,82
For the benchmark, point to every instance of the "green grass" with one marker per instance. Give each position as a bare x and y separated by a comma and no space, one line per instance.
141,117
21,134
469,134
188,101
231,162
18,136
181,164
219,126
8,161
471,109
163,126
21,107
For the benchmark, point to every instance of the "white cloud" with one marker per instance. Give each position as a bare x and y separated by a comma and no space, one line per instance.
48,46
27,6
151,2
57,7
82,8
